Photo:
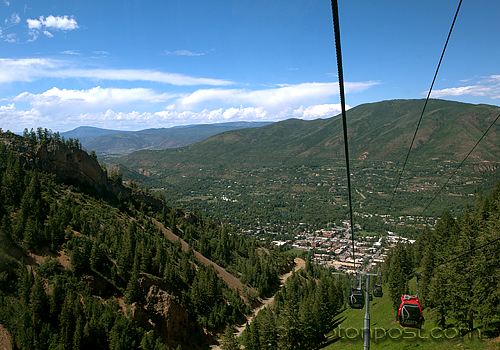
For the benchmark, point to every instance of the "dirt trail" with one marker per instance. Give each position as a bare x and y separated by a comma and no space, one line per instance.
4,339
299,264
231,281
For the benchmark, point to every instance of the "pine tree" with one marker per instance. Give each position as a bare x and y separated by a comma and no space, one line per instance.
133,291
229,341
67,322
267,329
252,336
400,269
463,273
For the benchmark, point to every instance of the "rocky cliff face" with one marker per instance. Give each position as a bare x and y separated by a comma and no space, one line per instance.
169,320
72,166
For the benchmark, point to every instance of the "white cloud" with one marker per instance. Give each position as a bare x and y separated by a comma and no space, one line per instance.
183,53
105,53
54,23
16,120
14,19
319,111
34,23
61,23
24,70
489,87
96,98
138,75
71,52
6,3
11,37
30,69
293,95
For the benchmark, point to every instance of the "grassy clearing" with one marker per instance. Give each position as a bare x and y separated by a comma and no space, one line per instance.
203,198
387,334
365,233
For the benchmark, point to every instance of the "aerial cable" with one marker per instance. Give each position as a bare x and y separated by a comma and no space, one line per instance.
450,260
444,185
423,109
336,27
447,261
457,257
444,262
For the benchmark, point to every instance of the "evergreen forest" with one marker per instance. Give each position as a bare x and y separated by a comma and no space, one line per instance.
458,264
81,268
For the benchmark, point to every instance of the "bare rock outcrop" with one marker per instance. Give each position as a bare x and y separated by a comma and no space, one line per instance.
169,320
71,165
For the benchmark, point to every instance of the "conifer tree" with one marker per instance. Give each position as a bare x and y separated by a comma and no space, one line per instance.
133,291
229,341
400,269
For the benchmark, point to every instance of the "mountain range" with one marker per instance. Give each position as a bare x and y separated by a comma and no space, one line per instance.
379,131
114,142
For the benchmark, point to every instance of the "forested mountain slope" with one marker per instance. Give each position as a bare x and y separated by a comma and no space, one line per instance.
86,264
377,131
459,263
114,142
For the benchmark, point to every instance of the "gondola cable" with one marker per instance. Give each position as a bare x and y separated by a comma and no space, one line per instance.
336,29
416,274
454,172
456,257
423,109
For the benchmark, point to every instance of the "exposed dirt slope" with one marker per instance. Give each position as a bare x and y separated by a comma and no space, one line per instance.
232,281
4,339
299,264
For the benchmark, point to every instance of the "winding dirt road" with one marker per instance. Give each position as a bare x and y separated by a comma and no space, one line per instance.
299,264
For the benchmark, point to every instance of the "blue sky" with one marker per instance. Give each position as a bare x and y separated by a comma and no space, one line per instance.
132,65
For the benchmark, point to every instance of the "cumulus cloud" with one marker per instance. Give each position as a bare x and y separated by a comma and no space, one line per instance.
12,70
6,3
63,23
60,23
51,22
17,120
319,111
34,23
489,87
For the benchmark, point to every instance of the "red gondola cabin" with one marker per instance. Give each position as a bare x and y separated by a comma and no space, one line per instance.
410,312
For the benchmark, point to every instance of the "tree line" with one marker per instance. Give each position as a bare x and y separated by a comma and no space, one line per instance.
302,314
463,291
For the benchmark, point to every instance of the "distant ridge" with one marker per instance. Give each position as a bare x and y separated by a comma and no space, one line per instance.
377,131
87,133
114,142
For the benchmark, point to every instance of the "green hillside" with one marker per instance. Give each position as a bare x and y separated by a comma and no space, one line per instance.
377,131
119,143
87,264
387,333
293,171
